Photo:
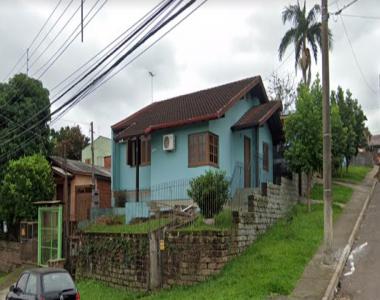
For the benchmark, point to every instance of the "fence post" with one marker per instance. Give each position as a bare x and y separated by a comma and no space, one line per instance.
155,278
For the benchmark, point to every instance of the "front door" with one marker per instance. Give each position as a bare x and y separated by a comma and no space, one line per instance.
247,162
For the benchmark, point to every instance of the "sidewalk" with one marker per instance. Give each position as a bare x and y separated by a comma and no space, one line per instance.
363,283
316,277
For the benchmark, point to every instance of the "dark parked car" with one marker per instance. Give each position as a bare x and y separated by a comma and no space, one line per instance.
44,284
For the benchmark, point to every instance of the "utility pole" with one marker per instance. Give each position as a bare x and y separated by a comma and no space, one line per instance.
94,200
81,16
27,61
151,82
328,224
66,205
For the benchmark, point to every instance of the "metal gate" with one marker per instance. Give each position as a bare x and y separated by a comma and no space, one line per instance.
49,234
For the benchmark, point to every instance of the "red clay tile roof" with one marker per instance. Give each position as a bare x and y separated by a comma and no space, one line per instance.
199,106
257,115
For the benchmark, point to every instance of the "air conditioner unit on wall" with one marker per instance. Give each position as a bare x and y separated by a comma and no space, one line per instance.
168,142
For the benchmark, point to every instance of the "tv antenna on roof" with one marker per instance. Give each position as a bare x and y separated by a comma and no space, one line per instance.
151,82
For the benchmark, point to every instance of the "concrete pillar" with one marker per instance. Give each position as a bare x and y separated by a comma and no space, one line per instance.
155,278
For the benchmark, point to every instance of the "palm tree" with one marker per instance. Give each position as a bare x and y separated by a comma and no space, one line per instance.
306,30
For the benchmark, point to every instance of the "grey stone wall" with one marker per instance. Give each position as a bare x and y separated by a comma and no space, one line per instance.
188,257
192,257
14,254
264,211
116,259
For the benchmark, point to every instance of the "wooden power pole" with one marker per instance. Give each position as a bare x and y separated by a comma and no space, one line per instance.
94,195
66,205
328,223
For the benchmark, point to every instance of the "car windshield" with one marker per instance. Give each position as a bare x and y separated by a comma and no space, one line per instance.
57,282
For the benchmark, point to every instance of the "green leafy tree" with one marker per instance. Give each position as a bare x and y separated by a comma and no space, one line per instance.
26,180
353,119
73,138
303,132
304,33
339,138
20,99
210,192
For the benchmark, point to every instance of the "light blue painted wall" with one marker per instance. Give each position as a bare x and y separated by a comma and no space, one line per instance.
172,166
266,137
127,174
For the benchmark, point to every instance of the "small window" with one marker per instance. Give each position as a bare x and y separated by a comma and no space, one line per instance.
87,161
21,283
31,286
145,152
266,156
203,149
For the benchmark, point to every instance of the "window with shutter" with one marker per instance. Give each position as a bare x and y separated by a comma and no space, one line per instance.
203,149
266,156
145,152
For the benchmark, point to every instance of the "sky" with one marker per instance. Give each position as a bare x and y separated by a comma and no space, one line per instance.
222,41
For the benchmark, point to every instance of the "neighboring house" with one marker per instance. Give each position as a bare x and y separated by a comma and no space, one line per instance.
102,152
374,145
80,186
232,127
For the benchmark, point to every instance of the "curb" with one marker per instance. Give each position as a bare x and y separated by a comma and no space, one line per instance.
330,291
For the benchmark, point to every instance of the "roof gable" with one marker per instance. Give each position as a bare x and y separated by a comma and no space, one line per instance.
182,110
78,167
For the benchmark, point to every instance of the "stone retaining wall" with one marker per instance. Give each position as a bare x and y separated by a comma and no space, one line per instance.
192,257
116,259
14,254
188,257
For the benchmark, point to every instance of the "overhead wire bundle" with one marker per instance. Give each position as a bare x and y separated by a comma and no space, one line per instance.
98,70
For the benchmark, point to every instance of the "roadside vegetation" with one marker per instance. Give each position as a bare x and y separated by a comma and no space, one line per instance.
260,272
117,225
223,221
341,194
354,174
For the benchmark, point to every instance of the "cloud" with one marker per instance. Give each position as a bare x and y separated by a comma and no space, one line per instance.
223,41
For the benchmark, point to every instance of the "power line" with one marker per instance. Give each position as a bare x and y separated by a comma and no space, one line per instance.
55,37
52,60
93,83
127,39
34,39
100,52
43,26
91,87
362,17
14,67
343,8
356,59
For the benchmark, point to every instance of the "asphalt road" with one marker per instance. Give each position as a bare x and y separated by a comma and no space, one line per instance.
361,280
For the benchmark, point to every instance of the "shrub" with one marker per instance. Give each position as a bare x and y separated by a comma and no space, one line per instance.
210,192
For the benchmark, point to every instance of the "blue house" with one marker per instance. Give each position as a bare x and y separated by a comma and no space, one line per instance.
231,127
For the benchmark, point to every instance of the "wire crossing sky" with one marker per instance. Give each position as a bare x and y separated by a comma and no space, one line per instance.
223,41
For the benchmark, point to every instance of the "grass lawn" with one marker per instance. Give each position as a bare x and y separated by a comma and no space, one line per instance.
355,174
223,221
144,227
341,194
6,280
272,265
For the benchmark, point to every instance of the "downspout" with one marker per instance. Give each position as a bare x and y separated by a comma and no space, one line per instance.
257,131
137,152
